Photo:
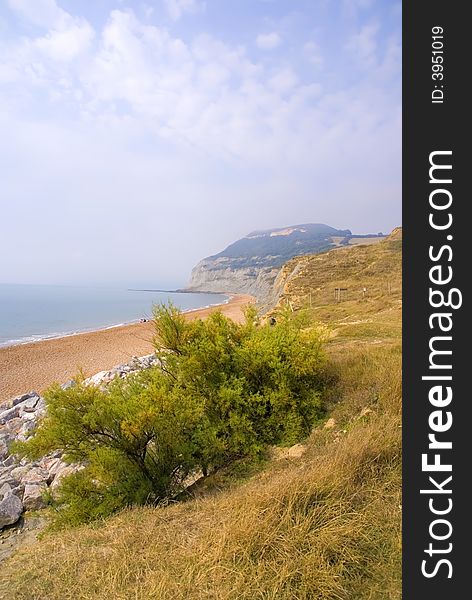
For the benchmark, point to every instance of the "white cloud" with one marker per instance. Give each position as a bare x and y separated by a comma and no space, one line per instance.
67,36
313,53
283,80
268,41
205,95
363,46
177,8
148,11
43,13
351,8
132,113
66,44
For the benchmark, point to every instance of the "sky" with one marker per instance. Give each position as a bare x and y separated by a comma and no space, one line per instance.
137,137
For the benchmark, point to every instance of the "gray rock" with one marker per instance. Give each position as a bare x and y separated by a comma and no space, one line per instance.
9,461
14,425
18,490
41,406
23,397
7,436
28,415
68,384
4,471
33,496
52,466
9,414
3,449
29,404
23,478
11,481
99,378
19,472
35,475
4,490
64,471
10,510
26,429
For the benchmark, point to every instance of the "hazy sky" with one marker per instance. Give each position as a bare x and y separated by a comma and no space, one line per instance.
137,137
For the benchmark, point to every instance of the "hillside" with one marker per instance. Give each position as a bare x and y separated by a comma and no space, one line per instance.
369,283
320,520
251,264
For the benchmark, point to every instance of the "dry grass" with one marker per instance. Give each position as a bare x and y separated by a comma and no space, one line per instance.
310,282
326,525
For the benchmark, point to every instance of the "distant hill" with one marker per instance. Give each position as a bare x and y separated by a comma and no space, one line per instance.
251,264
276,246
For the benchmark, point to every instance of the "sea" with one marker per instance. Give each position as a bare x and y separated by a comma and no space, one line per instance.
30,313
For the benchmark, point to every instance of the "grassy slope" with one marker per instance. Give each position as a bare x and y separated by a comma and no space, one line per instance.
310,282
324,525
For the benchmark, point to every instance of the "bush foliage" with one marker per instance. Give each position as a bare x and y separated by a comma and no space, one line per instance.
221,391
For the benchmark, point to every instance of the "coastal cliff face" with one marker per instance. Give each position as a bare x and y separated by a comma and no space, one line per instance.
221,275
252,264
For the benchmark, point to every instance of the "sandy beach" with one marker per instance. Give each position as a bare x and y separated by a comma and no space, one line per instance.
36,365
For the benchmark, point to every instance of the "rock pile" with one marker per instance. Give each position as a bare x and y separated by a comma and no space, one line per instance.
23,483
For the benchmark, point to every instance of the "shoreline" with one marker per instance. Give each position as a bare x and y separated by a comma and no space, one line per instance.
36,365
55,336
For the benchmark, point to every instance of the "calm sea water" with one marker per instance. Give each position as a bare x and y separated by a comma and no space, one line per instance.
34,312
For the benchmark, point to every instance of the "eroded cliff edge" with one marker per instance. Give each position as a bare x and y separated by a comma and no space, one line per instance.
252,264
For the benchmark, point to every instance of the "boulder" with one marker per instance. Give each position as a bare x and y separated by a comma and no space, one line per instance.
64,471
7,437
41,407
134,363
10,510
10,413
19,472
296,451
26,428
29,404
14,425
28,415
51,465
22,478
5,489
35,475
9,461
33,496
99,378
24,397
6,477
3,449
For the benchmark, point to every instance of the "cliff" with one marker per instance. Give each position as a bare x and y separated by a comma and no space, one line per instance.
367,274
251,265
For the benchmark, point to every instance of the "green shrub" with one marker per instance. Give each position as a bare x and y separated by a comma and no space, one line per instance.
222,391
137,441
260,383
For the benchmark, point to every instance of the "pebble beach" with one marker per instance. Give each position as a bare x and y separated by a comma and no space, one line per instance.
34,366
